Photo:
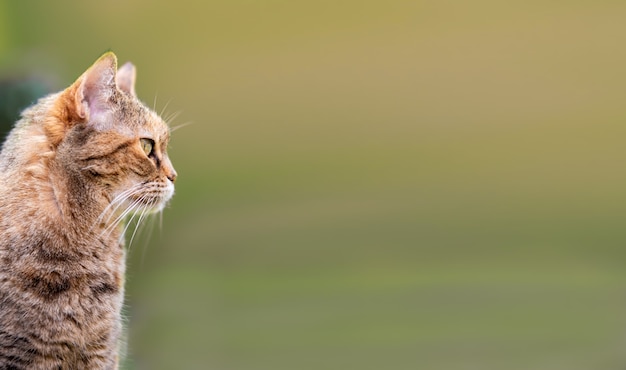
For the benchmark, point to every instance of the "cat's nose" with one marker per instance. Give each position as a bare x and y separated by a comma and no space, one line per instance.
170,173
172,176
169,170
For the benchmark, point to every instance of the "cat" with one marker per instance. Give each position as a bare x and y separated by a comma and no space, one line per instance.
73,167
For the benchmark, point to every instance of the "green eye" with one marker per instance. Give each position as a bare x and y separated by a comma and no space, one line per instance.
147,145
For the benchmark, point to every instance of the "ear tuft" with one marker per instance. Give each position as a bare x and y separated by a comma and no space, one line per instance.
126,76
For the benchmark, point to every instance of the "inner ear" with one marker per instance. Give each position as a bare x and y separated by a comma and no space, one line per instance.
88,99
95,88
126,76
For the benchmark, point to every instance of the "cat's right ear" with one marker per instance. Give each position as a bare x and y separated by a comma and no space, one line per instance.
126,76
95,87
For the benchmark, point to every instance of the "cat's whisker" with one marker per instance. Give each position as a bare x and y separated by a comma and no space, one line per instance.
144,248
154,103
180,126
173,116
124,213
131,211
116,203
144,210
165,107
123,197
141,216
138,211
135,204
118,199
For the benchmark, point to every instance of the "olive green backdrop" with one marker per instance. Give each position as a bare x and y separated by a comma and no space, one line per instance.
368,184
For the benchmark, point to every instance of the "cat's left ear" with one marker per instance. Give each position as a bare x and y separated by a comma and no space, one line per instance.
125,79
95,87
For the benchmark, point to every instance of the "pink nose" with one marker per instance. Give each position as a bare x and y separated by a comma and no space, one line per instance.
169,170
171,174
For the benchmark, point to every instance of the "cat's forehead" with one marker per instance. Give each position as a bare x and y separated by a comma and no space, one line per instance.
155,125
142,121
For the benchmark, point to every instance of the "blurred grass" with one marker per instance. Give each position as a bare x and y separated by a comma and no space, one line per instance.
402,185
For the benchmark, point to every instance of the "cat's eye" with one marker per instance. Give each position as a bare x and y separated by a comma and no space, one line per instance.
147,145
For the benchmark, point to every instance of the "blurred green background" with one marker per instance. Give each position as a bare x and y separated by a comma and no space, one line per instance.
369,184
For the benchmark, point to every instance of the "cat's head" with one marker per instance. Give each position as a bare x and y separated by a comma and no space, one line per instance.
107,138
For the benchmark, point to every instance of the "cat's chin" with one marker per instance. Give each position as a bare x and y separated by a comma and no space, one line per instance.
156,208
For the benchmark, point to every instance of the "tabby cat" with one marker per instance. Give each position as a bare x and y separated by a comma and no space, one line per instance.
73,167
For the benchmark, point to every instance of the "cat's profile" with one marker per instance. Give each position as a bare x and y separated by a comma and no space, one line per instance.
72,168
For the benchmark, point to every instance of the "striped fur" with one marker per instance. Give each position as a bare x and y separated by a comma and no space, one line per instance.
72,169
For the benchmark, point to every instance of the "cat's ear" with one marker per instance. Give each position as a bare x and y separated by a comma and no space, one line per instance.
86,100
126,78
95,87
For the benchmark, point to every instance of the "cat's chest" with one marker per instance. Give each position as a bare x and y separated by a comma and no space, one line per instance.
65,269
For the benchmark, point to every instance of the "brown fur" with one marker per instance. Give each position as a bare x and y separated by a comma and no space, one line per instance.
67,170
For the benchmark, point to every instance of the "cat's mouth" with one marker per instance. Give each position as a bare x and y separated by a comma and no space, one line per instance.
153,197
139,200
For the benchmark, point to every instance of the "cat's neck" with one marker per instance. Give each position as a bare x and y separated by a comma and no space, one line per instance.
31,165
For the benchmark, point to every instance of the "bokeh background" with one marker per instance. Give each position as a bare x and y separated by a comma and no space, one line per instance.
367,184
